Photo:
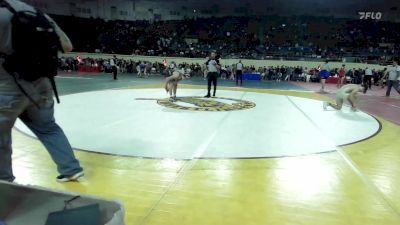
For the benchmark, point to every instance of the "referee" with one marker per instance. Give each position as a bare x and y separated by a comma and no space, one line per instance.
213,67
113,64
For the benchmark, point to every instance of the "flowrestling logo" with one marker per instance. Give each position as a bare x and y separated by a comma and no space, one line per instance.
197,103
217,104
370,15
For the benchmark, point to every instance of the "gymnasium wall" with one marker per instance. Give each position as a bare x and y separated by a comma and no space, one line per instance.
246,62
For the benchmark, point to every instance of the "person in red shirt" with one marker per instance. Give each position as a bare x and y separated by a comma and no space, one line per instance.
342,77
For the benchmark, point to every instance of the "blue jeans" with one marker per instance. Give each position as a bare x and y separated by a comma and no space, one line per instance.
239,76
42,123
392,83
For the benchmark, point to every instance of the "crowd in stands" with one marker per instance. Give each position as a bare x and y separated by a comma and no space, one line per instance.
237,37
69,64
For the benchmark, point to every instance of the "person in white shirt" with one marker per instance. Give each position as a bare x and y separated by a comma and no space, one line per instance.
239,73
392,76
368,77
113,64
139,70
213,68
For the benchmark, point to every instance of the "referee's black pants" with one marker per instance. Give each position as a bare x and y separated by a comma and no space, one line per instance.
115,72
239,76
212,78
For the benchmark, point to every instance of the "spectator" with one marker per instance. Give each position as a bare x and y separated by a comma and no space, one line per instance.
239,73
368,77
392,76
341,76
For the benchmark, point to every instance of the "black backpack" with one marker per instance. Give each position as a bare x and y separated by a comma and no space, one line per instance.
35,45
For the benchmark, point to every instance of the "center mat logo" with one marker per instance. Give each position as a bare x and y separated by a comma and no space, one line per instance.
201,104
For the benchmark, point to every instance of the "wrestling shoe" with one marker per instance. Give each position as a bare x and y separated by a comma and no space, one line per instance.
74,177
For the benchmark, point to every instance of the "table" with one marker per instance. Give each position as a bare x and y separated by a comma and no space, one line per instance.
251,76
334,80
89,69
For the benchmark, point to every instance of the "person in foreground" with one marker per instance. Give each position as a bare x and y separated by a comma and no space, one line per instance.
27,93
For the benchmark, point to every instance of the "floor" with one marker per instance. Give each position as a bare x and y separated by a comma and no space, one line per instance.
350,184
